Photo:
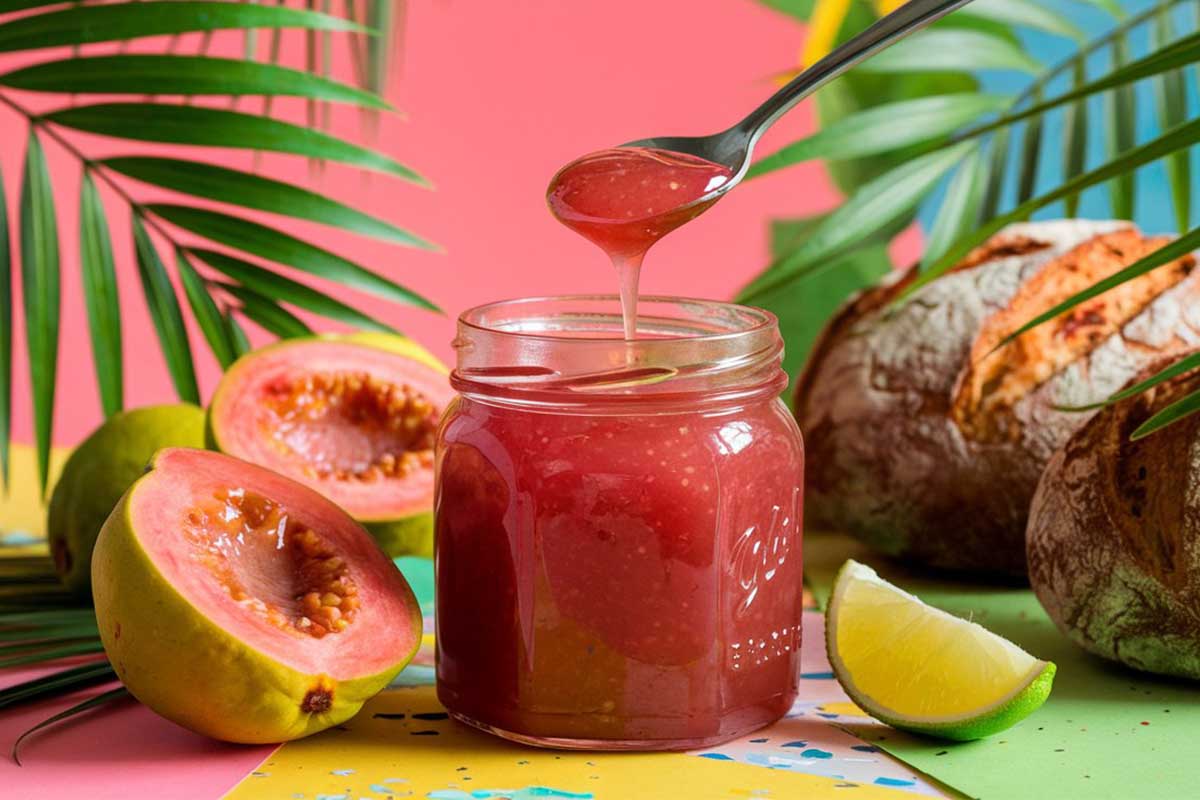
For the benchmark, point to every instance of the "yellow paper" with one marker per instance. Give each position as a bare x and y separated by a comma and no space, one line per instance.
422,754
22,508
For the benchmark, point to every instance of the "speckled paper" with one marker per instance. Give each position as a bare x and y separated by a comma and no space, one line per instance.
404,746
1106,733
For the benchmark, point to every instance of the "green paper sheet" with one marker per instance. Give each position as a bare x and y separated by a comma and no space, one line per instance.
1105,732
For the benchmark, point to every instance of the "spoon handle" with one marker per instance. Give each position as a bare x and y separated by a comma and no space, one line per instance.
909,17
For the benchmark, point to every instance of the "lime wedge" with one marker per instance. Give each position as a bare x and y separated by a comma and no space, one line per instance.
920,669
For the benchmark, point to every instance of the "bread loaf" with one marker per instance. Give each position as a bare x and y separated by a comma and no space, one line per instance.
926,447
1114,536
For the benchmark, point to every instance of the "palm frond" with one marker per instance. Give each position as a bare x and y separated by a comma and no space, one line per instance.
120,693
125,82
57,683
41,291
991,187
6,339
101,296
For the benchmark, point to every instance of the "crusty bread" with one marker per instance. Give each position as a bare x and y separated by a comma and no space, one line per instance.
1114,535
926,447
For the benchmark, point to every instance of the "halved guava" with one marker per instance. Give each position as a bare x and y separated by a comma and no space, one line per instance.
244,605
354,417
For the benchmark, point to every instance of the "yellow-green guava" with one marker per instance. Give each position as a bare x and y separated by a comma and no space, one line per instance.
243,605
98,473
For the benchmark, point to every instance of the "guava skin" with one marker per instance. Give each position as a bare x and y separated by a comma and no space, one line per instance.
100,470
187,668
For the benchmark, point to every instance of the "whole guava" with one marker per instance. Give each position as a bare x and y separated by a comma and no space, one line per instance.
100,470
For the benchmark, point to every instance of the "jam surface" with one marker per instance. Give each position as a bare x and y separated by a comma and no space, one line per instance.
619,578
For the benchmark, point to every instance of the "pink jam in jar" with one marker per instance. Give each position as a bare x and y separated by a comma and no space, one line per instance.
618,525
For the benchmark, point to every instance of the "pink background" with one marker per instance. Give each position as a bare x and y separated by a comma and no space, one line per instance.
496,96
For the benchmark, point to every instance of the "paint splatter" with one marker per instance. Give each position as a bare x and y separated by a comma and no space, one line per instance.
865,748
894,782
431,715
794,744
759,741
528,793
388,716
813,752
423,733
817,676
341,772
716,756
380,789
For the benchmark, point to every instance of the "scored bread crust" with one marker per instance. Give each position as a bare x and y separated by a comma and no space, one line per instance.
887,459
1114,535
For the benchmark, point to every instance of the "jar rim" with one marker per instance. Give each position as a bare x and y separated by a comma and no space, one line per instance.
571,349
762,319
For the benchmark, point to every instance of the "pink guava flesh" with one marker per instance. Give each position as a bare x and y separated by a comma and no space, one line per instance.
263,558
354,422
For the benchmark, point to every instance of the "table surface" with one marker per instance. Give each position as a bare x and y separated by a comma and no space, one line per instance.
402,745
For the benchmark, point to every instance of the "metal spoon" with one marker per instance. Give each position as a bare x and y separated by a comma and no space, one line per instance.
733,147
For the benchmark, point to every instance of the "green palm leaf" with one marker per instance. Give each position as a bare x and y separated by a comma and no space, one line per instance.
56,683
166,315
6,332
204,310
53,653
1171,103
183,75
1074,137
1024,13
274,245
803,307
271,284
874,206
237,335
1179,137
92,702
84,24
959,211
1031,150
254,191
874,130
1168,416
379,19
172,124
1120,118
998,155
1180,54
954,50
267,313
8,6
1113,7
1185,364
40,287
101,297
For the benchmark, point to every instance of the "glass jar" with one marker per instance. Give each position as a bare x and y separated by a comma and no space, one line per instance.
618,545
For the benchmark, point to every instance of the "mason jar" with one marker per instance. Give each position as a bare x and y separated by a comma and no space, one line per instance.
618,525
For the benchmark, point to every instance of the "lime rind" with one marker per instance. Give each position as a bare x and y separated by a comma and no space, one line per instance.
1023,700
